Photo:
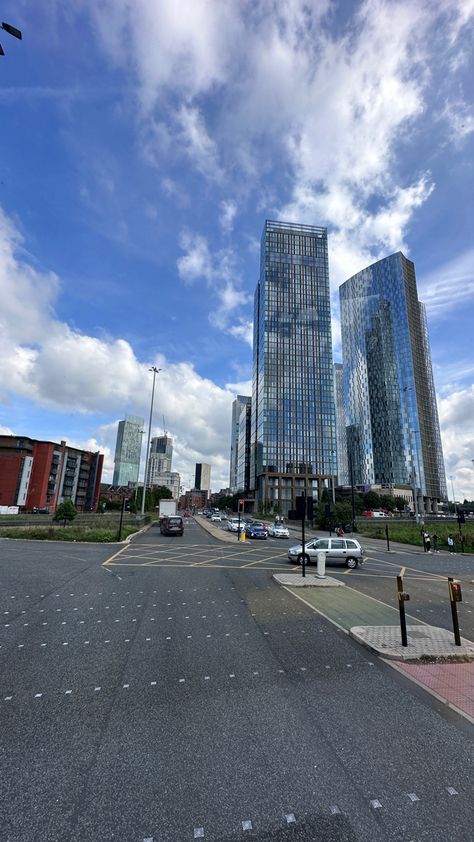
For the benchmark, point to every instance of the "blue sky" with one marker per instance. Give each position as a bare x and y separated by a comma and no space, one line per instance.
144,143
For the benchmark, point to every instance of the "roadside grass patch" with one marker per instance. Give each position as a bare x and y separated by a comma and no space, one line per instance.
410,533
68,533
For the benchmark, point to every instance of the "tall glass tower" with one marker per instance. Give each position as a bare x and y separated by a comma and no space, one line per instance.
293,439
393,435
127,450
241,401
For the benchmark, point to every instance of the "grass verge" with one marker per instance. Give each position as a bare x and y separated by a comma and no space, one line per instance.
410,533
67,533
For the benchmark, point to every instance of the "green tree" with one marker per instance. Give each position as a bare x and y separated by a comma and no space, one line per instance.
66,512
400,503
371,500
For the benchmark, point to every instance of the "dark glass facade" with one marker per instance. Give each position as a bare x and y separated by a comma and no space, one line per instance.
389,398
293,419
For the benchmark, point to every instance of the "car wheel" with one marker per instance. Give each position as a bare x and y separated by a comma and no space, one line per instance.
351,563
306,559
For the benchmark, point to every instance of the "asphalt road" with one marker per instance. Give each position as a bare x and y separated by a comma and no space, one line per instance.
177,694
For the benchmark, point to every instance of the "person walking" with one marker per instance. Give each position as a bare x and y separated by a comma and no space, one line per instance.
427,542
451,543
435,543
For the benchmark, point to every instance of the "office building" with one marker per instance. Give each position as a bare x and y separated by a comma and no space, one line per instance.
343,477
241,402
393,435
243,448
293,447
42,474
160,458
202,477
169,479
128,449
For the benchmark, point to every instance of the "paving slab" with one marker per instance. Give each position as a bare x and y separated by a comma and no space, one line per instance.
423,641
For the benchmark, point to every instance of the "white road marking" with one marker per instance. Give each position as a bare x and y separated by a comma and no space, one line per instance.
198,832
375,804
413,796
96,689
247,825
38,695
334,809
451,790
290,818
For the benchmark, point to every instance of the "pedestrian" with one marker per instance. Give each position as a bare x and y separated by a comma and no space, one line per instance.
423,535
451,543
427,542
435,543
340,532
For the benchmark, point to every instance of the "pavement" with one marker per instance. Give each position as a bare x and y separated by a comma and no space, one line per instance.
376,626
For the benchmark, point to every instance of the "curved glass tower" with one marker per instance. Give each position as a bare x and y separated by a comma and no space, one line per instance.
393,435
293,448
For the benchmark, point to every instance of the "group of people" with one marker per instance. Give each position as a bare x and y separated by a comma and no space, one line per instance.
279,520
427,542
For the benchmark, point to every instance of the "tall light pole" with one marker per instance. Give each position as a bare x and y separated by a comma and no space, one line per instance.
12,30
454,498
155,371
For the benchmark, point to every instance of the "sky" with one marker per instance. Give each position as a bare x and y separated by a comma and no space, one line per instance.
143,144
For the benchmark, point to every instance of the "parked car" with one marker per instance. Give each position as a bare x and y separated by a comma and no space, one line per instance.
172,525
346,551
278,531
253,530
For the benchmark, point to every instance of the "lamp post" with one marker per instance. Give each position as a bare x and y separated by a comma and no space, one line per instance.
454,497
12,30
155,371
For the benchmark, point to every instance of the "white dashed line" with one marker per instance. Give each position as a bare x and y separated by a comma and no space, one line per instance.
247,825
290,818
198,832
375,804
413,796
451,790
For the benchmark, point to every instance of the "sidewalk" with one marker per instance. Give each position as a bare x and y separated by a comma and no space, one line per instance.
376,626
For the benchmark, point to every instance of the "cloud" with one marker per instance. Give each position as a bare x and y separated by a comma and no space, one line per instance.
228,213
56,367
198,145
456,412
219,271
449,285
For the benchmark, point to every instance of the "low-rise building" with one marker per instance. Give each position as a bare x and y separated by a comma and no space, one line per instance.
42,474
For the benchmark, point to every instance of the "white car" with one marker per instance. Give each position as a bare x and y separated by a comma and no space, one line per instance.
233,524
216,518
279,531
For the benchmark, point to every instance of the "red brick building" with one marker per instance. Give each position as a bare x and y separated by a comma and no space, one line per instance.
42,474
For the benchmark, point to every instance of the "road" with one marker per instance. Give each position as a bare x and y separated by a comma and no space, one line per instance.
178,693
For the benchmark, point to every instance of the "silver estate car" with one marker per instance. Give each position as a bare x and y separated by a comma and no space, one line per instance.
346,551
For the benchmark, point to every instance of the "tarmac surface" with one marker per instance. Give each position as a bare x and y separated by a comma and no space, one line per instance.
377,626
160,690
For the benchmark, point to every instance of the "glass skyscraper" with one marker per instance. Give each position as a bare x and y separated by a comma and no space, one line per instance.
127,450
293,439
241,402
393,435
343,477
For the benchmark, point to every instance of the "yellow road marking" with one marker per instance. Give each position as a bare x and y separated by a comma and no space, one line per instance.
109,560
414,569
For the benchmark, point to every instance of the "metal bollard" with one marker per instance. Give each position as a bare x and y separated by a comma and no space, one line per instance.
321,574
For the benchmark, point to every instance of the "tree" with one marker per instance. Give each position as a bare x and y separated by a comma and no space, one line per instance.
400,503
371,500
66,511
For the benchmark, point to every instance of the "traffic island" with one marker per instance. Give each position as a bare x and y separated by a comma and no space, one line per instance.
424,642
296,580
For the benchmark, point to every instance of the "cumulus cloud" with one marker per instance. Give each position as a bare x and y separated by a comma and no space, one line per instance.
219,271
456,412
60,368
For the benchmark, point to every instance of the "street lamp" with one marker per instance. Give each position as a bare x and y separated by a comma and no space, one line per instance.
155,371
454,497
12,30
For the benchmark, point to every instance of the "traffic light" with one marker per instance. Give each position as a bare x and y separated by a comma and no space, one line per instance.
300,507
455,591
